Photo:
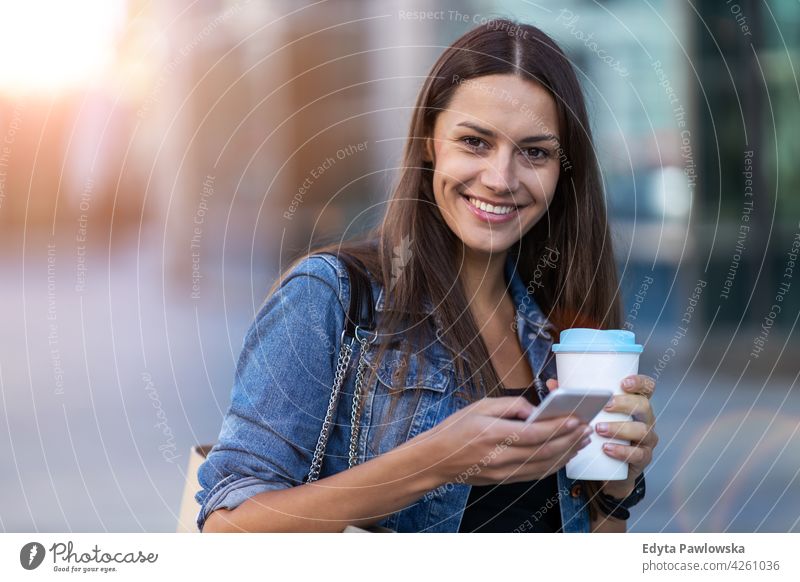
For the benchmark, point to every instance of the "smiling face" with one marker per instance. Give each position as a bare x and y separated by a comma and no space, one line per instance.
496,152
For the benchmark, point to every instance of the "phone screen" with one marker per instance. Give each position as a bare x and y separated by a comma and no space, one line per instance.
585,404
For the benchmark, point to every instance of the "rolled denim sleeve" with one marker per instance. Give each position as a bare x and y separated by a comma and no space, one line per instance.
281,390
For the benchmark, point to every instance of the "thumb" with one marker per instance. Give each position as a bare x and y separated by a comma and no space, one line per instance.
552,384
507,407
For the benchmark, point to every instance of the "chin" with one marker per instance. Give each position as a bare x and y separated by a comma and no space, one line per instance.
486,247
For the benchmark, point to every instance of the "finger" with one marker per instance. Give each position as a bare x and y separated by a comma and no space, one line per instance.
557,450
650,439
628,431
638,456
639,384
506,407
633,404
545,459
532,433
544,431
638,433
552,384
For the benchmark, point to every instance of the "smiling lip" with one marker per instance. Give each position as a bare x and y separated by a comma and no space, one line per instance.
488,216
490,202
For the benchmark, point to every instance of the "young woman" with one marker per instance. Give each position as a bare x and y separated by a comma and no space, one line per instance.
494,240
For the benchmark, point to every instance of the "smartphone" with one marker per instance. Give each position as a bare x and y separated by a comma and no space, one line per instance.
585,404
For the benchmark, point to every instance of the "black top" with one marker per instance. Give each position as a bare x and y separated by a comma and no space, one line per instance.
527,506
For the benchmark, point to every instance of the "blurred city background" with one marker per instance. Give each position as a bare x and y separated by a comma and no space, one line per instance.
158,165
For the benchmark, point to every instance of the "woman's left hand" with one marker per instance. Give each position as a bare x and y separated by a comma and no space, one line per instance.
639,431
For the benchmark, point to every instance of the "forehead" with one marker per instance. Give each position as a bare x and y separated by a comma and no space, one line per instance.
506,103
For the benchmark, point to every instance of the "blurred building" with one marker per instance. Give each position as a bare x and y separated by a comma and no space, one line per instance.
160,161
240,132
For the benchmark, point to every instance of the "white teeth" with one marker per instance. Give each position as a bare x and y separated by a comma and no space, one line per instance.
489,208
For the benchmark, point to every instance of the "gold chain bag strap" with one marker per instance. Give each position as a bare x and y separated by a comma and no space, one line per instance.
359,327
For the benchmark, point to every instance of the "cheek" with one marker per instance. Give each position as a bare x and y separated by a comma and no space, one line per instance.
454,168
542,183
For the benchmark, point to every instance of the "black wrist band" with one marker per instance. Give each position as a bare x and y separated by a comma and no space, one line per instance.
611,510
618,508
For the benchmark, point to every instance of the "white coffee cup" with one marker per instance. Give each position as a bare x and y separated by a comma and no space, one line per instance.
597,359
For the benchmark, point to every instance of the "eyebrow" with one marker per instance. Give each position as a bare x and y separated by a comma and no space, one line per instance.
530,139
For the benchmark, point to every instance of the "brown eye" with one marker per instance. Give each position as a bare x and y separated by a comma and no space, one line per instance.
536,153
472,142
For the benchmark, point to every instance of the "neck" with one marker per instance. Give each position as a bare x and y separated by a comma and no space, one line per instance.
483,279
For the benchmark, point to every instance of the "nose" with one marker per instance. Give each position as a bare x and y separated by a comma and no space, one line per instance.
499,174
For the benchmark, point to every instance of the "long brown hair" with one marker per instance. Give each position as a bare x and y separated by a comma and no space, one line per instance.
413,253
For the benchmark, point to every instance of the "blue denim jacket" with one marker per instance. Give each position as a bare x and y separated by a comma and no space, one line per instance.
282,387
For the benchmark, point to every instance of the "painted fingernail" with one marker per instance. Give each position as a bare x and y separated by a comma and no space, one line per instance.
572,423
601,427
609,447
629,382
587,431
585,442
610,405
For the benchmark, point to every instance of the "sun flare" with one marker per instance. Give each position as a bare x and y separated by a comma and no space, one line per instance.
47,45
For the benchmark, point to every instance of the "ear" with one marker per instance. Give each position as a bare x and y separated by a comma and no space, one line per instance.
428,155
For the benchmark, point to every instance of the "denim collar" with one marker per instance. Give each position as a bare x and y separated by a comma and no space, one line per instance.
524,303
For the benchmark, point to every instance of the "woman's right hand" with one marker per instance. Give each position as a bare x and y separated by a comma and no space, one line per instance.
489,442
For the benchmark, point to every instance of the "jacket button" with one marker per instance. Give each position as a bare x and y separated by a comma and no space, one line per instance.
576,490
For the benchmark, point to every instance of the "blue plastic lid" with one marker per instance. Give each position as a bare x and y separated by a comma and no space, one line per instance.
581,339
